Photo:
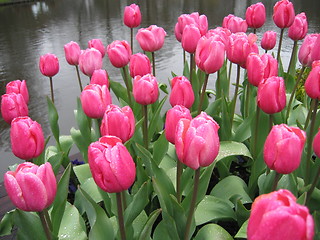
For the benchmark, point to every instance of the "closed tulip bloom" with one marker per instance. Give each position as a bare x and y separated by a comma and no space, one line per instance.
234,24
27,140
197,141
271,95
307,50
190,37
13,105
261,67
30,187
95,99
100,77
111,164
118,122
283,148
72,53
299,29
315,53
18,86
177,32
139,65
49,65
277,216
119,53
256,15
172,118
220,34
145,89
209,55
312,84
182,92
132,16
151,39
97,44
269,40
316,144
90,60
283,13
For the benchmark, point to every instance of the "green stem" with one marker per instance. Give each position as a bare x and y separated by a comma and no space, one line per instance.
131,39
145,125
293,54
153,64
192,204
45,225
255,134
120,217
218,88
126,82
184,57
48,220
275,181
254,30
124,200
234,101
306,124
203,92
229,75
313,186
51,87
178,180
247,103
191,66
280,43
79,79
270,121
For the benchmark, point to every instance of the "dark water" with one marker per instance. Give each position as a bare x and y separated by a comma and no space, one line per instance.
30,30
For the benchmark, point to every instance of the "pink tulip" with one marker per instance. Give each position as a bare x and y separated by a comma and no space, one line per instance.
315,53
299,29
210,54
283,148
182,92
13,105
49,65
90,60
172,118
316,144
269,40
118,122
197,141
111,164
139,65
145,89
256,15
72,53
100,77
95,99
190,37
306,50
234,24
119,53
151,39
30,187
27,140
283,13
312,84
261,67
220,34
97,44
132,16
18,86
277,216
271,96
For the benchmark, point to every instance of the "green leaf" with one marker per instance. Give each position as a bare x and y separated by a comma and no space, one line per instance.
66,143
84,123
230,148
155,119
55,162
7,223
80,142
119,90
53,120
213,231
241,212
214,108
147,228
225,125
243,131
160,148
92,189
163,87
242,233
165,230
82,172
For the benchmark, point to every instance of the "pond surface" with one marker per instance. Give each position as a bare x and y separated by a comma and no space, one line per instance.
30,30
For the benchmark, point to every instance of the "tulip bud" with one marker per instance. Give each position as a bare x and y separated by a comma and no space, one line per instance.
111,164
190,37
72,53
119,53
13,105
277,216
312,84
271,96
100,77
132,16
95,99
145,89
118,122
139,65
27,140
220,34
269,40
18,86
197,141
256,15
172,118
234,24
307,50
177,32
151,39
182,92
90,60
299,29
97,44
283,13
49,65
31,187
283,148
315,53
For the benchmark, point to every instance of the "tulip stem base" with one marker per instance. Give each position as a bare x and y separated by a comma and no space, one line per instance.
178,180
145,125
203,92
120,216
280,43
51,88
79,79
45,225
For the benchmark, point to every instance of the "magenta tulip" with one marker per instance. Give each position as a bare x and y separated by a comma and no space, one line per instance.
182,92
283,13
190,37
27,140
315,53
220,34
118,122
151,39
256,15
90,60
234,24
72,53
312,84
306,50
49,65
197,141
31,187
283,148
269,40
299,29
119,53
100,77
132,16
13,105
145,89
316,144
111,164
18,86
277,216
139,65
97,44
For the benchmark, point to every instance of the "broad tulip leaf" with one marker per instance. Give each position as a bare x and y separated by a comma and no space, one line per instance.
163,231
84,122
230,148
213,231
243,131
160,148
214,108
225,124
92,189
80,142
119,90
82,172
242,233
6,223
147,228
55,162
53,119
155,119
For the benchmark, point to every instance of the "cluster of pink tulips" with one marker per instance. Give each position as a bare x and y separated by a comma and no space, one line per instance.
158,170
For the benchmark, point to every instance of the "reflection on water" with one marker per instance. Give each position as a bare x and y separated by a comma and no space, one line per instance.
31,30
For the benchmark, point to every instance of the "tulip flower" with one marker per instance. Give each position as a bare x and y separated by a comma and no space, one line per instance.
283,14
299,29
269,40
13,105
316,144
139,65
97,44
49,65
31,187
256,15
182,92
312,84
315,54
100,77
95,99
90,60
283,148
220,34
145,89
277,216
190,37
118,122
72,53
306,49
234,24
151,39
18,86
119,53
132,16
27,140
